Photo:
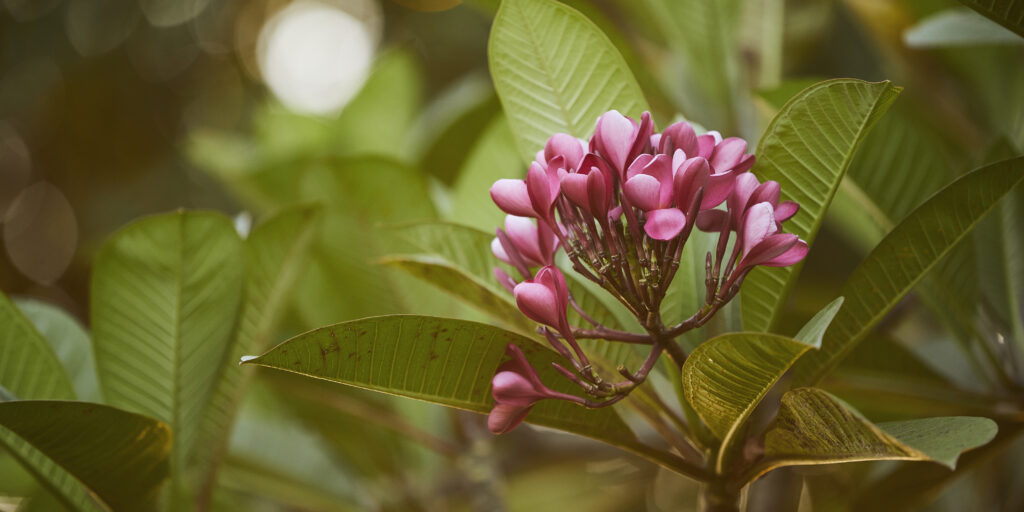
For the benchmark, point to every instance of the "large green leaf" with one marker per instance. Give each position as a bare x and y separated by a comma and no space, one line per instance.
91,456
725,378
1008,13
905,256
703,36
807,148
29,367
815,428
444,361
275,252
555,71
166,291
71,343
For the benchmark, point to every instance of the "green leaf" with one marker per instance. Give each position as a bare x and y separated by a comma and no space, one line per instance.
725,378
906,255
1008,13
29,367
807,148
275,253
814,330
814,427
166,291
465,287
703,36
958,27
93,457
71,343
555,71
443,361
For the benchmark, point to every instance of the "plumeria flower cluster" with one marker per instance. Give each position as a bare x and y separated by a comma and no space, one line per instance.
622,207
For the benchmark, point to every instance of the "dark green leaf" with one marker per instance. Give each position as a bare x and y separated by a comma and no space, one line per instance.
91,456
807,148
1008,13
905,256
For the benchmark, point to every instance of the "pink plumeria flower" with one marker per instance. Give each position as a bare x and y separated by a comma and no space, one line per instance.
545,299
649,186
591,187
561,145
763,244
512,197
747,192
535,242
619,139
516,387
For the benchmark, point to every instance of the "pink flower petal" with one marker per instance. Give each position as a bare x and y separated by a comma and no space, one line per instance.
691,175
745,164
728,153
705,146
523,233
614,137
766,192
794,255
499,251
598,193
509,387
638,165
664,224
774,246
718,189
758,223
641,137
503,278
568,147
511,196
785,211
538,303
574,186
552,278
504,418
712,221
538,187
681,136
643,191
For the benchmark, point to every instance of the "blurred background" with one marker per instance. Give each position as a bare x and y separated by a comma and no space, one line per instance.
115,109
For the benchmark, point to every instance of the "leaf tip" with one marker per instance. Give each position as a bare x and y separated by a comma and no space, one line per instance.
246,359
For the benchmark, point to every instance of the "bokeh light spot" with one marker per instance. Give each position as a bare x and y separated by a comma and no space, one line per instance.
41,233
315,56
